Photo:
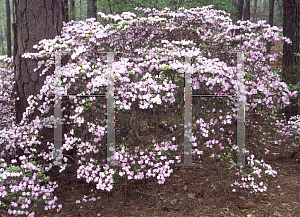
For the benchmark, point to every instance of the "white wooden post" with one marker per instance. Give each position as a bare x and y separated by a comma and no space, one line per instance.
58,112
241,101
110,112
188,116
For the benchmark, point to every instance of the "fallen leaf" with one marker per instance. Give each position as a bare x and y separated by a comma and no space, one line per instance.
241,197
277,214
174,201
191,196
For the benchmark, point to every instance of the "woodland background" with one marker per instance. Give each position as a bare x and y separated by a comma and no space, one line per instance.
79,10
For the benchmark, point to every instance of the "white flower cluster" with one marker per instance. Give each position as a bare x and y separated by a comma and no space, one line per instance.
78,51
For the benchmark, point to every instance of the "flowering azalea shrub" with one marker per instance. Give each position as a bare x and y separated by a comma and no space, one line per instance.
152,47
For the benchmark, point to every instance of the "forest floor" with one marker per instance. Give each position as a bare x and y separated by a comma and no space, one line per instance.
189,192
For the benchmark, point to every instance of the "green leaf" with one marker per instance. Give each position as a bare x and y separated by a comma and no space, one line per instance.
14,169
164,68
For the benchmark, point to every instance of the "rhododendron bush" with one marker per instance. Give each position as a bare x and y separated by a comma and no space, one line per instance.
153,52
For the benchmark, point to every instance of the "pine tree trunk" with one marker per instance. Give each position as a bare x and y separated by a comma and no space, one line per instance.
34,20
47,23
72,9
93,9
89,10
291,72
271,18
240,9
66,17
247,11
80,9
254,12
8,25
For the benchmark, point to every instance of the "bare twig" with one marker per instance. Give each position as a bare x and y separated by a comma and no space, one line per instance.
71,158
147,193
135,132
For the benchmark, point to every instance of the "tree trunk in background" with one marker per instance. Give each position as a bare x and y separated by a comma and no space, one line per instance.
8,25
271,18
247,11
47,24
109,5
279,7
72,9
34,20
66,16
240,9
2,33
80,10
235,4
290,60
254,11
1,42
89,4
93,9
